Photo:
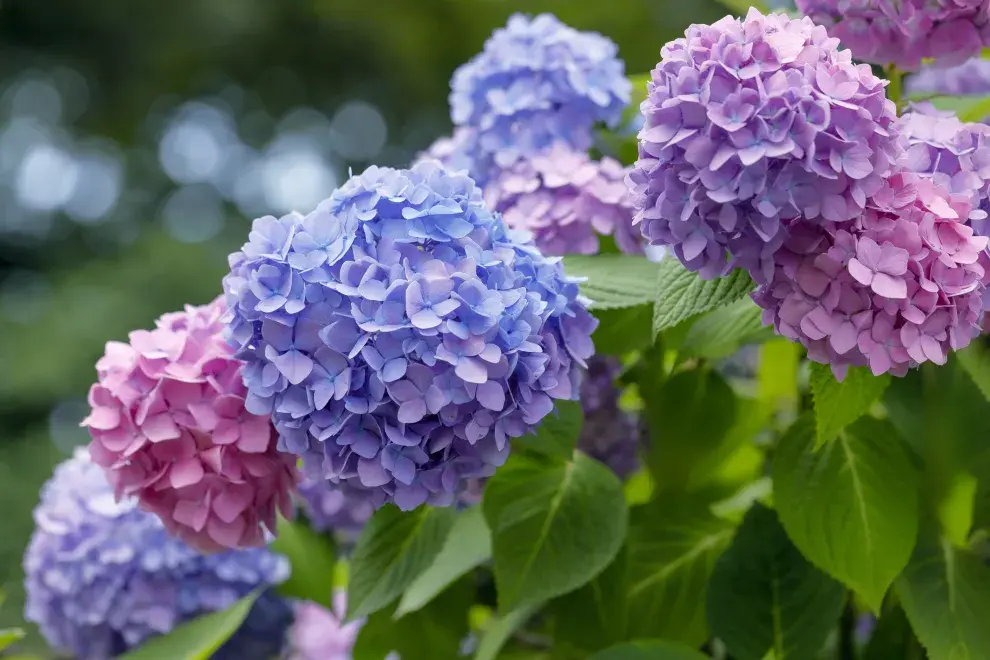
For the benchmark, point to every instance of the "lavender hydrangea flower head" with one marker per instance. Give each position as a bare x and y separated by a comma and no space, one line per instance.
321,634
537,82
955,155
456,153
103,576
901,285
751,123
400,335
904,32
342,508
566,200
610,434
970,78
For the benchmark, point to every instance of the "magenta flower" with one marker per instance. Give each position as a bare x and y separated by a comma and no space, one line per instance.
751,124
169,426
905,32
901,285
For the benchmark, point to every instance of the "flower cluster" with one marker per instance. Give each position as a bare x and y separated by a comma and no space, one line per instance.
900,285
566,200
169,425
456,153
102,576
956,156
537,82
400,335
610,434
904,32
972,77
342,508
320,634
750,124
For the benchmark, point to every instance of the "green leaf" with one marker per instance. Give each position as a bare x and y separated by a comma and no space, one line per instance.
435,631
945,592
851,507
721,332
681,294
622,331
765,597
197,639
777,373
554,525
596,615
10,635
468,545
614,280
975,359
892,638
501,629
967,108
311,555
741,7
689,417
557,434
672,548
839,404
394,548
649,650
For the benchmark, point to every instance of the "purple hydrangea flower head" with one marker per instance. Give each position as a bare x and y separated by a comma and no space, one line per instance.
537,82
567,201
904,32
901,285
321,634
610,434
456,153
955,155
970,78
750,124
103,576
400,335
342,507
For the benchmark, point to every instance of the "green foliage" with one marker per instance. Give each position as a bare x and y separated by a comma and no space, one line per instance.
967,108
196,639
722,331
672,548
945,592
311,555
10,635
557,433
468,545
649,650
393,550
681,294
615,281
975,359
851,507
555,525
690,416
500,629
741,7
621,331
839,404
765,597
435,631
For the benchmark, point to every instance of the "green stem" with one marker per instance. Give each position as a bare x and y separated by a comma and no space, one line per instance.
895,90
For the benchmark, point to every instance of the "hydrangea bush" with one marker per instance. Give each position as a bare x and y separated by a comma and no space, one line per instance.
516,440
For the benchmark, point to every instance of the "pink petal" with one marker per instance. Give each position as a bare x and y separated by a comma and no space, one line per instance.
160,427
227,432
191,514
843,339
889,287
228,535
186,473
256,434
860,273
103,419
232,502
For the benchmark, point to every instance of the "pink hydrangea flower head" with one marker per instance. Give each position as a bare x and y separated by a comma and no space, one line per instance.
169,426
901,285
904,32
566,200
953,154
750,124
321,634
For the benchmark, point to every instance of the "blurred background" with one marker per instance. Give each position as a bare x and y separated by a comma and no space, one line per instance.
139,139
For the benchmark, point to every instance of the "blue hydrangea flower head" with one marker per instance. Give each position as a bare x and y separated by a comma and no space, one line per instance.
538,81
104,576
400,335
